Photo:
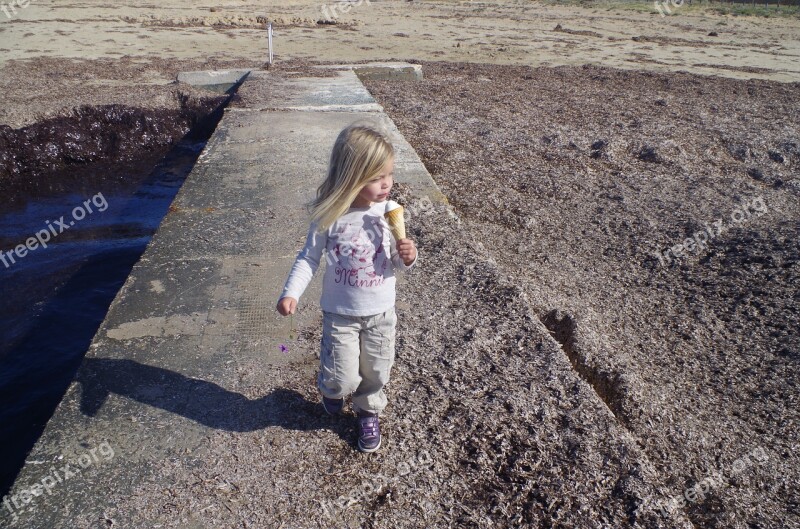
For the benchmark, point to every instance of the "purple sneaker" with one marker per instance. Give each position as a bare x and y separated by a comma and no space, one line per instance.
332,406
369,436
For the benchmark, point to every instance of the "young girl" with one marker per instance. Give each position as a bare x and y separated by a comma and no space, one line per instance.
358,289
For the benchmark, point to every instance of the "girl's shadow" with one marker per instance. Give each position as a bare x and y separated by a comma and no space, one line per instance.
201,401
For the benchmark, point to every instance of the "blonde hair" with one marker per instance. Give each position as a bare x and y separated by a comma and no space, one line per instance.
359,154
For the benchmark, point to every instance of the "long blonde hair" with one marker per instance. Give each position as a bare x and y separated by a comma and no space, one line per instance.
359,154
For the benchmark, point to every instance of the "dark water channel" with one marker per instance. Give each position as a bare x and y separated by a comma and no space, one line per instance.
54,298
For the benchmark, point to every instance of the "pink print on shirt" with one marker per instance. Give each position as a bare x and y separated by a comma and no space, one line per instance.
359,254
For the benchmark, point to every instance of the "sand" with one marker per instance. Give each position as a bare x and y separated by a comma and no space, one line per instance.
503,32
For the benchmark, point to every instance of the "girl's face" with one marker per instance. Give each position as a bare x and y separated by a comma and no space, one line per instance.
377,189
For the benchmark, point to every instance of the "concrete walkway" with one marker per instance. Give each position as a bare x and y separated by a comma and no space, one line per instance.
201,301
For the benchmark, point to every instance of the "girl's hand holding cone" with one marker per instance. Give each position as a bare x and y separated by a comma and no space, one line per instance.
407,250
397,225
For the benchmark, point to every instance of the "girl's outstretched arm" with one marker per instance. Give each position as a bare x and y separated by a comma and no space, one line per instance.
305,265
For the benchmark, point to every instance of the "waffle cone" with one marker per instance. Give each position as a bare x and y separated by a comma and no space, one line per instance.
396,223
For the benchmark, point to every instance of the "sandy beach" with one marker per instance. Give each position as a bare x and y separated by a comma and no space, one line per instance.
142,48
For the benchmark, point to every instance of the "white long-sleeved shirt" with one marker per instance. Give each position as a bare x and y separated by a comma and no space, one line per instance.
361,256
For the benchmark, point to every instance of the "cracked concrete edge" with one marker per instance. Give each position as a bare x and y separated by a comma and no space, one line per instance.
212,77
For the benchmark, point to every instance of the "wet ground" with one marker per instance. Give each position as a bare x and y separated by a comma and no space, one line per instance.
93,221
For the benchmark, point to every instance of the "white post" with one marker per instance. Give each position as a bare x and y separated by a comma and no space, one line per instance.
269,36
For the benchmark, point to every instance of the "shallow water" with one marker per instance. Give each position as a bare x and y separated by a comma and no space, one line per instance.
54,298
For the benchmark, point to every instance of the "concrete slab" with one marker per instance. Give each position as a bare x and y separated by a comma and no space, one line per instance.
341,92
397,71
220,81
160,376
247,138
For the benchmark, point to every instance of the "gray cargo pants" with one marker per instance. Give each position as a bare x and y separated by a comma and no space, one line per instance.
356,356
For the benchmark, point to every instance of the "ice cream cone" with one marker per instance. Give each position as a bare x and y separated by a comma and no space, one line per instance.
396,223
